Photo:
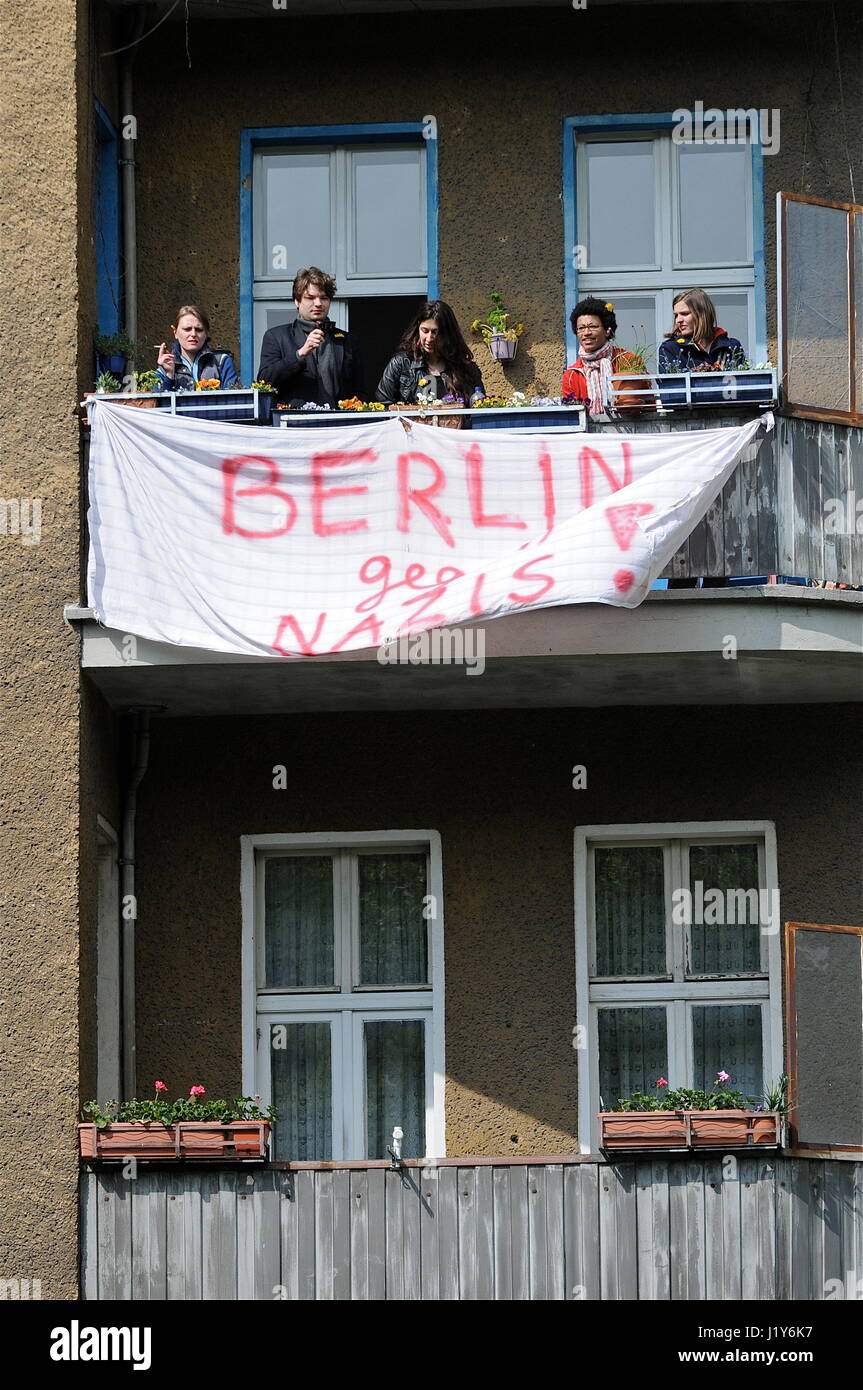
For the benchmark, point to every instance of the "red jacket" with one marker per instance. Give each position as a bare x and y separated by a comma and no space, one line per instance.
575,383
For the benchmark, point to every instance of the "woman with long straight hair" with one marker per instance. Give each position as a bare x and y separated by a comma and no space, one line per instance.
432,360
696,343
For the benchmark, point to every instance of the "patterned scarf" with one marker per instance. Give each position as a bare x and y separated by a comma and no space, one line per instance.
597,367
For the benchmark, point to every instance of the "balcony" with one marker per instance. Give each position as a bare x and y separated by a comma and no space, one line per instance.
763,1228
788,512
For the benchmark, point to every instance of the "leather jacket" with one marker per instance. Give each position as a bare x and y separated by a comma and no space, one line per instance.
403,375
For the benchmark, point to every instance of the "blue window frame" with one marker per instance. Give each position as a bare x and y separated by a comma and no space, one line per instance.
255,139
107,224
639,125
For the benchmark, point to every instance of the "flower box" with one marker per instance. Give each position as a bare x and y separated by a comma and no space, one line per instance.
195,1139
638,1130
249,407
718,388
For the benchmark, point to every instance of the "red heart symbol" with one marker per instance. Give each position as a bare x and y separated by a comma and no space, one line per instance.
623,580
622,521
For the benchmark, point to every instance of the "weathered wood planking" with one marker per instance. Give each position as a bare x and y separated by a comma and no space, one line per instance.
773,515
658,1229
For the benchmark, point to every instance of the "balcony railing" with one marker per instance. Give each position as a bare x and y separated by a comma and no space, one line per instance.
790,508
761,1228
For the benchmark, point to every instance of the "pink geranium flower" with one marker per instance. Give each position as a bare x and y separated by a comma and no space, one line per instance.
722,1076
160,1086
662,1081
198,1091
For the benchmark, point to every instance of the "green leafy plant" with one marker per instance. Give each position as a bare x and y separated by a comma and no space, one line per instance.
146,381
719,1097
108,385
161,1110
496,322
263,386
109,344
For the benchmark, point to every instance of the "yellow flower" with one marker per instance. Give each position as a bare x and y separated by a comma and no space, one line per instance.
423,381
609,307
338,335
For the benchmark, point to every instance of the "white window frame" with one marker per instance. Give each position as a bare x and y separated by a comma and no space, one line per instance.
666,277
678,994
327,1003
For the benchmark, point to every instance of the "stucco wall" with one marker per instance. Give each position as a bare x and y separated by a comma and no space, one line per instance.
42,272
498,789
500,85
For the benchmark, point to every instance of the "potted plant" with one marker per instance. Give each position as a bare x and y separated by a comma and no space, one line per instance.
185,1128
496,332
113,351
738,384
693,1119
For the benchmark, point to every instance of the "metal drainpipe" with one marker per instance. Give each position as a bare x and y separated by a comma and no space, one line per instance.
140,759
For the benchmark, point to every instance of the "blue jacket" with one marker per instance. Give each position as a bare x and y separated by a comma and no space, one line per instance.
680,354
208,363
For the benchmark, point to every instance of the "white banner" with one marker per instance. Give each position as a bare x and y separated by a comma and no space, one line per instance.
321,539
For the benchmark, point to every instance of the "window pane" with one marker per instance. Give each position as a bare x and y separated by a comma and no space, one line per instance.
636,325
296,213
298,896
633,1052
302,1090
714,223
816,312
393,945
388,213
395,1086
728,939
630,911
727,1037
620,203
732,314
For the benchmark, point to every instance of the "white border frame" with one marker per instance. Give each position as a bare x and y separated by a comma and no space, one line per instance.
588,1057
371,1003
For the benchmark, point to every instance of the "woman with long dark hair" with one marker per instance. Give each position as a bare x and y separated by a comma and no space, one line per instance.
433,360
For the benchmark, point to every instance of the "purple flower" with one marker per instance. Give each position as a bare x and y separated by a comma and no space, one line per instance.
722,1076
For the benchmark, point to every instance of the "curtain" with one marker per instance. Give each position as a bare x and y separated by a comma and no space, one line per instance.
630,911
302,1090
395,1086
298,896
633,1051
393,938
725,948
727,1037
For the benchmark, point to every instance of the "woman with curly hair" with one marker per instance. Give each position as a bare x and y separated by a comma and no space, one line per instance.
433,359
590,376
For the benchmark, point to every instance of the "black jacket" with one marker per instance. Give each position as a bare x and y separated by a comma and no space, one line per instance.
402,375
295,378
680,354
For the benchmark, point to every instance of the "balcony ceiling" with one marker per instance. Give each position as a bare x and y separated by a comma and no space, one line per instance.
263,9
795,646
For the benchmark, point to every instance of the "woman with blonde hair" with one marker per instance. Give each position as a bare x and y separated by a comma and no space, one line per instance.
190,358
695,343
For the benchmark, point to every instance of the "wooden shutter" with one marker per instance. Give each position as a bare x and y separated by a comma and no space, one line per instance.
824,1035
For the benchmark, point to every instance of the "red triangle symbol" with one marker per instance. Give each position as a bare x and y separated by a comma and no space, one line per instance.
622,521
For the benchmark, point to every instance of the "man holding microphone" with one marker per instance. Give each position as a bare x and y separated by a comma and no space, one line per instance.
310,359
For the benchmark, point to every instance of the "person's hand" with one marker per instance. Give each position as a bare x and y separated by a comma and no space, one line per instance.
165,360
314,340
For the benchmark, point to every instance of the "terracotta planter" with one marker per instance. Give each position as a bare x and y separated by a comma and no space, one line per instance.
190,1139
501,348
637,1130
